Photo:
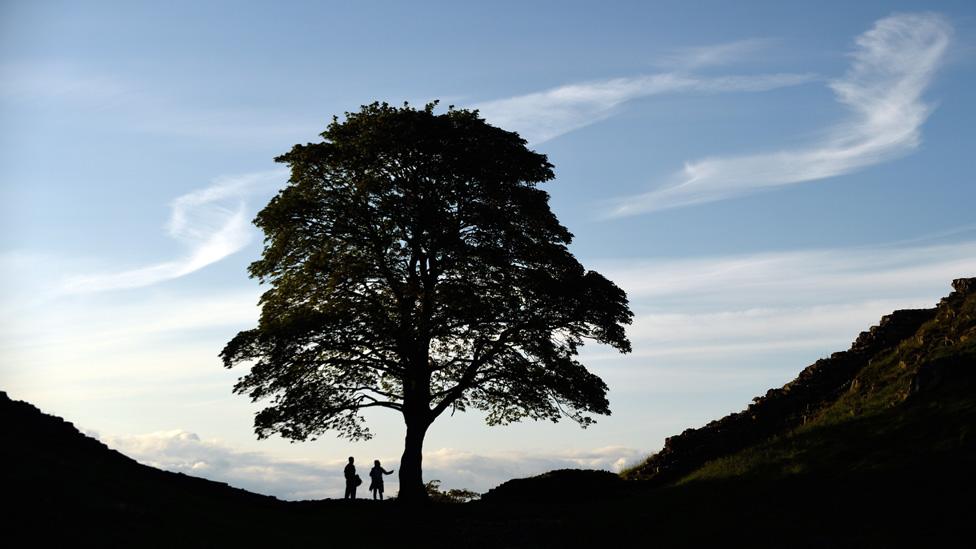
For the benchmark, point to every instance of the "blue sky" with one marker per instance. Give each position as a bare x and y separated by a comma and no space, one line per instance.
764,179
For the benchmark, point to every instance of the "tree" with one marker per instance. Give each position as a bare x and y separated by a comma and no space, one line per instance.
453,495
414,265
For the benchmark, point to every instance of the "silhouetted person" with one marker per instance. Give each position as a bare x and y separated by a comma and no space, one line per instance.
352,479
376,478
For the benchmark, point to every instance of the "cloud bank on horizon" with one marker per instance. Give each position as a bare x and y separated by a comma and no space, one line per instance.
186,452
892,65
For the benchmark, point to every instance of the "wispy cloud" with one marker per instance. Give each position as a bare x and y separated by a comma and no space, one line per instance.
713,55
716,331
812,277
33,82
541,116
892,66
83,328
61,91
770,302
211,222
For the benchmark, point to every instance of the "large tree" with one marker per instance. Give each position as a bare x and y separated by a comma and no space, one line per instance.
414,265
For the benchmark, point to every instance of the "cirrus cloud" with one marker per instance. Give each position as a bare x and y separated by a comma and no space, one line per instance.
211,222
893,64
541,116
544,115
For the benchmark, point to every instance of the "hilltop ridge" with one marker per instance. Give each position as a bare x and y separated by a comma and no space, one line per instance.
910,352
55,475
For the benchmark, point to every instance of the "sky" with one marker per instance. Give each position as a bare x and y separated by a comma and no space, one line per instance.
764,179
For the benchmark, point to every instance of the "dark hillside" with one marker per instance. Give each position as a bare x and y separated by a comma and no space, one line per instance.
58,482
910,408
908,352
62,488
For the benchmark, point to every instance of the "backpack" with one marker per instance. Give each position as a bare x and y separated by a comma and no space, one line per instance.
359,480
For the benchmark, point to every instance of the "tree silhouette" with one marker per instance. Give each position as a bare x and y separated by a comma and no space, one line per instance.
414,265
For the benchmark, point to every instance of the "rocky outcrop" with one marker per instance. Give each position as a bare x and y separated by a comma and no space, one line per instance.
945,355
788,407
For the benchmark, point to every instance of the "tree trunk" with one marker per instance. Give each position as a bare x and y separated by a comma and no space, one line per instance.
412,487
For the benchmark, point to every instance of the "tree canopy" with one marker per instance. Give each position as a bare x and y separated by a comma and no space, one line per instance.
414,265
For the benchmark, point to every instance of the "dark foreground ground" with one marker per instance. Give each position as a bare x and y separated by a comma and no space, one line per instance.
883,512
61,489
905,477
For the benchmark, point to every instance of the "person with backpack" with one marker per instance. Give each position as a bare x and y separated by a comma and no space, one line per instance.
352,479
376,478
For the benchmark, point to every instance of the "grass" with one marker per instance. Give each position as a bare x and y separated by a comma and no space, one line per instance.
913,435
878,424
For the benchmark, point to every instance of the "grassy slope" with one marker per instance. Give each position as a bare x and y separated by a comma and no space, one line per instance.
913,407
914,435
